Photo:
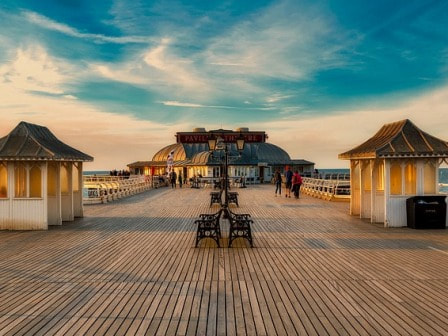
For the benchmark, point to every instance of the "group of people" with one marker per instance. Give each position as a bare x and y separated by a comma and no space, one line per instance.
115,172
173,177
293,182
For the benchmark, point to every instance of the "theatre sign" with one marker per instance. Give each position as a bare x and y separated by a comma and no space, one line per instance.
227,135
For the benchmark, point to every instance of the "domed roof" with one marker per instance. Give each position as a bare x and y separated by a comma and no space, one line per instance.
179,153
199,155
270,153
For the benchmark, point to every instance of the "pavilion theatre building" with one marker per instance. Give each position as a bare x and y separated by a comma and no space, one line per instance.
191,157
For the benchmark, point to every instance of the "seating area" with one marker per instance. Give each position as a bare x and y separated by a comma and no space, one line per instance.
208,225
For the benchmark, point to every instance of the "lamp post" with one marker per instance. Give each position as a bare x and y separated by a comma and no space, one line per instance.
216,142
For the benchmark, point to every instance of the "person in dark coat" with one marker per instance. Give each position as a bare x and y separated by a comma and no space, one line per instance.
180,179
173,179
278,183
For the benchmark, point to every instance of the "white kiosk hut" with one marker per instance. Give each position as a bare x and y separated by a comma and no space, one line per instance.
40,179
398,162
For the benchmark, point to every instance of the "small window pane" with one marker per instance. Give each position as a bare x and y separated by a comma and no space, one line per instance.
20,181
35,182
395,179
410,179
429,178
52,180
3,181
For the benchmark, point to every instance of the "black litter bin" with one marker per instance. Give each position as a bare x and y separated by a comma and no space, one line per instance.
426,212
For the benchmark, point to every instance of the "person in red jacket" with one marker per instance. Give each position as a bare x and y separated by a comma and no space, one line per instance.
296,183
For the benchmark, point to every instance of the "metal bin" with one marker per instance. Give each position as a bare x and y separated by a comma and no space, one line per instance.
426,212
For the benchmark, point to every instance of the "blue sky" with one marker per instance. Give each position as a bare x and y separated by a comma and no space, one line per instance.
157,66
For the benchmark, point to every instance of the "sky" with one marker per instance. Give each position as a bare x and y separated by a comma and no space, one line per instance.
117,79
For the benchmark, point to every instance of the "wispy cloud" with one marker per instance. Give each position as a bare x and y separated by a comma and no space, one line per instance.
181,104
33,69
285,40
50,24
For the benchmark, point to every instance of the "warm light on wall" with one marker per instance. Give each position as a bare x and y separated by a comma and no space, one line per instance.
20,180
355,177
75,177
64,179
380,176
51,179
429,178
395,179
410,179
35,182
366,177
3,181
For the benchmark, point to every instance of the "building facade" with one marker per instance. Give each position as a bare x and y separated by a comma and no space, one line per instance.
40,179
191,157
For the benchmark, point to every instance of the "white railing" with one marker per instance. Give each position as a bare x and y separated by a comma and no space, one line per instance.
326,189
103,188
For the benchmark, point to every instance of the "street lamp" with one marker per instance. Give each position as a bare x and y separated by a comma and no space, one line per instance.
218,143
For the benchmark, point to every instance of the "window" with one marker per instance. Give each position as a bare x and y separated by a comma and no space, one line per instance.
3,181
429,178
410,181
35,182
20,181
395,179
52,180
380,177
64,179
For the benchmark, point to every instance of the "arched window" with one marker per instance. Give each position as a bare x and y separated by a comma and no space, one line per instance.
3,181
395,179
410,179
429,178
35,181
20,181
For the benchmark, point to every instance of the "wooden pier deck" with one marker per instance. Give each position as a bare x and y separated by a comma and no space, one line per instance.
130,267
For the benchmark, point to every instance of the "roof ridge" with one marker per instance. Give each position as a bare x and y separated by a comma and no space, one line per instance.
407,142
30,134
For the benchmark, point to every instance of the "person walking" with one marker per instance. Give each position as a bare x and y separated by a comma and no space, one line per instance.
173,179
278,183
296,184
180,180
288,177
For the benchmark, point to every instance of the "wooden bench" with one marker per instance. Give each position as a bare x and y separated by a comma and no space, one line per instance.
240,227
208,227
215,197
232,197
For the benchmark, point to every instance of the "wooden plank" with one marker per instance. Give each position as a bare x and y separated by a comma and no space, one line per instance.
131,267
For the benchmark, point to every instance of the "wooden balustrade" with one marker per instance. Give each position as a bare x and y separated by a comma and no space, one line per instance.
103,189
330,190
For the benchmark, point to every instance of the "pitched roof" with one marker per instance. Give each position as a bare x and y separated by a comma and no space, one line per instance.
399,139
34,142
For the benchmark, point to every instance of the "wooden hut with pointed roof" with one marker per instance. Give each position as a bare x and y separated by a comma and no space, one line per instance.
40,179
398,162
